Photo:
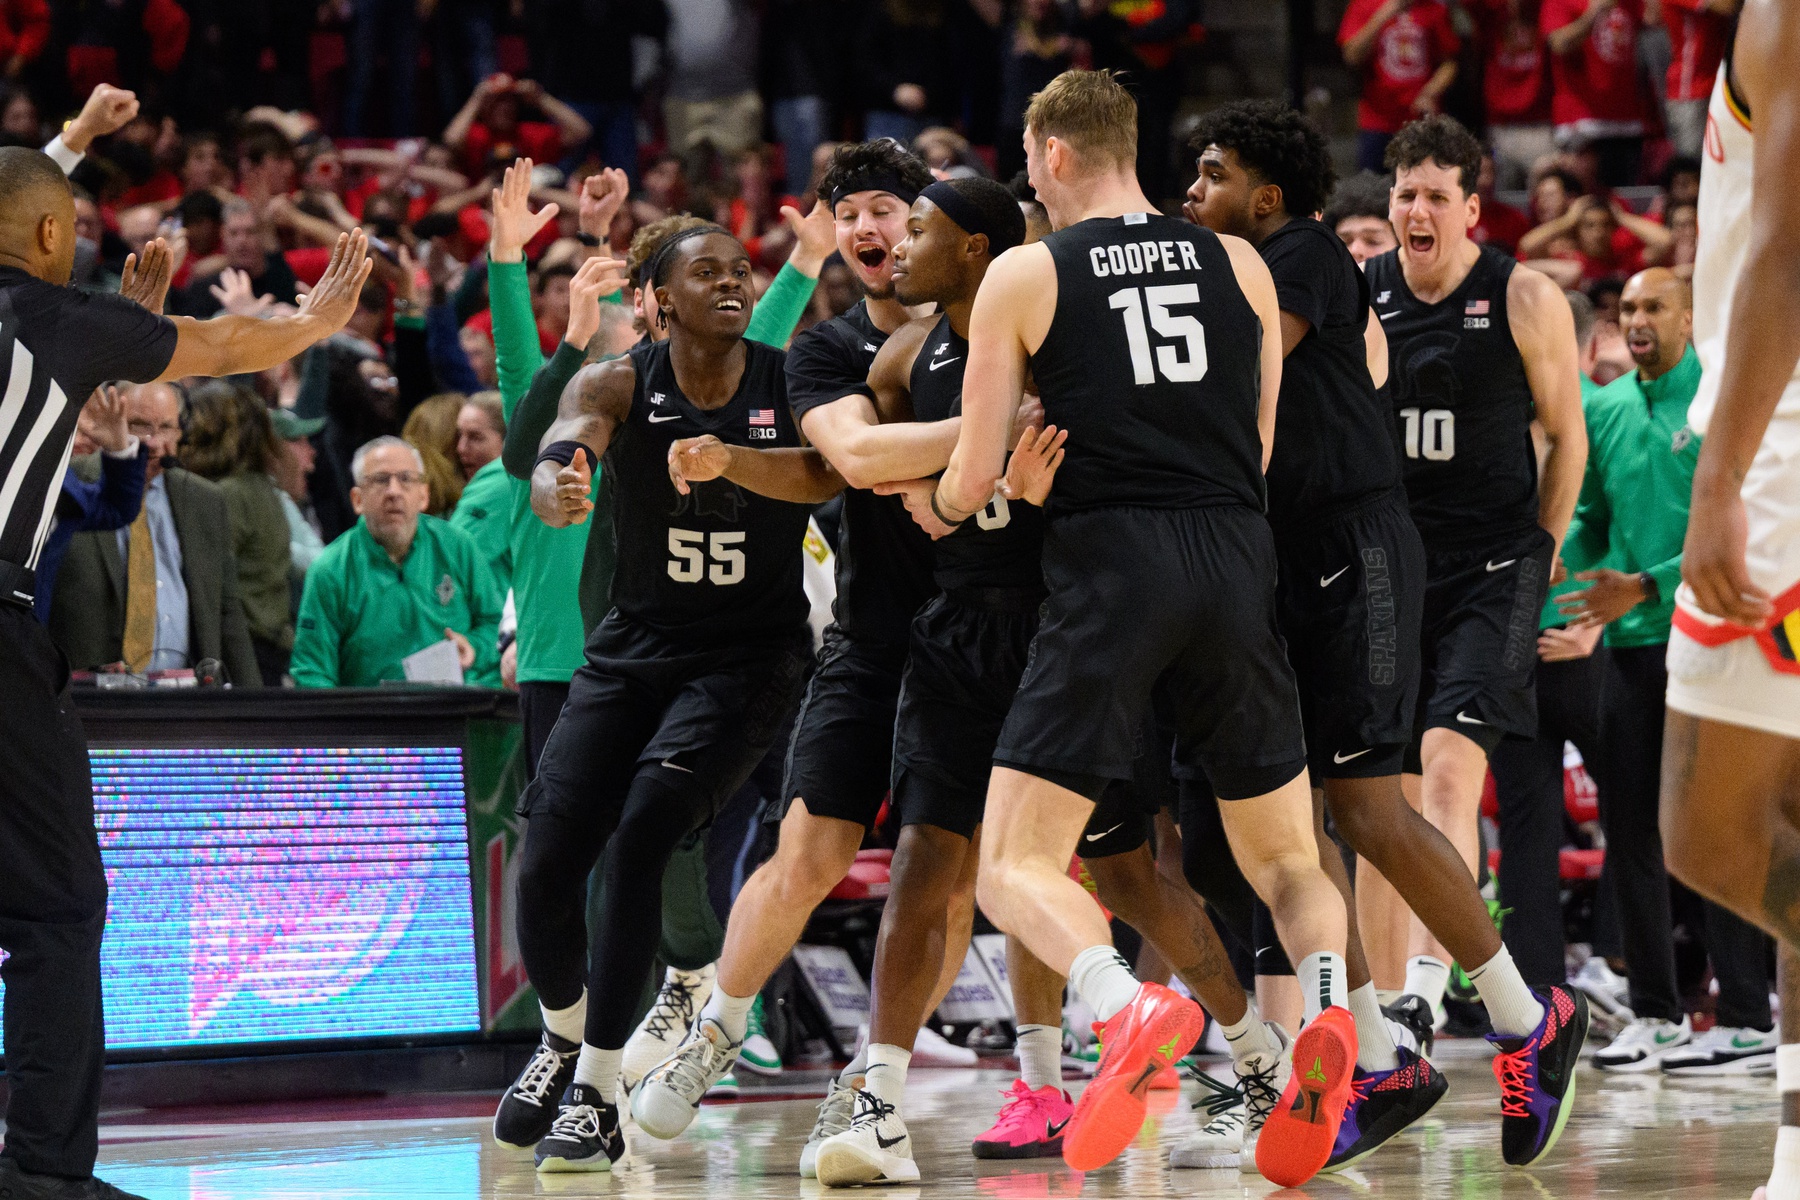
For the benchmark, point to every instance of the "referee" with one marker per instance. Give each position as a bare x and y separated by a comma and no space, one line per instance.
56,346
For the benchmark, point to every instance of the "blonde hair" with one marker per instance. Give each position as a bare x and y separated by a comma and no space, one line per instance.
431,430
1090,110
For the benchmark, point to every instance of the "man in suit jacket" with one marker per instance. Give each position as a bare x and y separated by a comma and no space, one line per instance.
180,606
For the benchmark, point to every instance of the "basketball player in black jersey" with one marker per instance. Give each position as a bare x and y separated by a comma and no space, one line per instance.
1142,333
690,675
839,761
1352,582
1478,345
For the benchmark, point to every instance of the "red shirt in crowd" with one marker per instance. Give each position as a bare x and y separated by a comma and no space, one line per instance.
1409,48
1515,70
539,141
24,29
1697,38
1501,225
1597,79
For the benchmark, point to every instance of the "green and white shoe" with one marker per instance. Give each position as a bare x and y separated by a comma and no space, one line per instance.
759,1054
725,1089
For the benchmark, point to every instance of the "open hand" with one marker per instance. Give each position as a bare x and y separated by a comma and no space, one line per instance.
237,296
514,222
1611,596
1032,468
333,299
696,460
102,420
815,237
596,278
145,281
1566,645
916,494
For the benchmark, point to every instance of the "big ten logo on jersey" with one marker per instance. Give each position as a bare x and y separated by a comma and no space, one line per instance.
1476,314
1141,258
762,425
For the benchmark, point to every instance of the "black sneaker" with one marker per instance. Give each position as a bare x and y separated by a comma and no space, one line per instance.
1412,1012
529,1105
1537,1076
585,1136
1382,1103
17,1184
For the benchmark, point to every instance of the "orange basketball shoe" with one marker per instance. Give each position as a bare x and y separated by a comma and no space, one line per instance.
1154,1031
1300,1133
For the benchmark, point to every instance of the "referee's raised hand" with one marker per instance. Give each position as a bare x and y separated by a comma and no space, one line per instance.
332,300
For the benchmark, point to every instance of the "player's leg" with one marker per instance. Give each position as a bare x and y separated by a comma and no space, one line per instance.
1455,771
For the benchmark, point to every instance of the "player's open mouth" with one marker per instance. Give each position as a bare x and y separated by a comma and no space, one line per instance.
1420,243
730,304
871,255
1640,343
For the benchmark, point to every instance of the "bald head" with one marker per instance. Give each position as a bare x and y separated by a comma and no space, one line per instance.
1656,314
37,215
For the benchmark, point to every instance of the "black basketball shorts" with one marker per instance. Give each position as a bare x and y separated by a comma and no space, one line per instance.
1125,814
1479,638
968,651
840,758
1350,601
1179,602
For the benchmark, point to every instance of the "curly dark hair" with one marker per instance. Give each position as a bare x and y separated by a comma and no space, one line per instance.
1364,194
882,156
1439,139
1277,145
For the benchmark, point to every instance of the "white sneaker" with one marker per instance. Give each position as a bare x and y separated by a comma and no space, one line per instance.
1641,1045
1228,1140
875,1149
665,1102
1608,994
1724,1051
681,997
835,1112
932,1049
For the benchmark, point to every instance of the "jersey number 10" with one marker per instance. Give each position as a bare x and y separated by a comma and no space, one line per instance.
1430,433
687,562
1133,302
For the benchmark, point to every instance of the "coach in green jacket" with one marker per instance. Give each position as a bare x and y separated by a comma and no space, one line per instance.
393,584
1633,516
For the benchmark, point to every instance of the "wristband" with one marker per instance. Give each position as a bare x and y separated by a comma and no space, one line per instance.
939,513
563,453
587,239
1652,589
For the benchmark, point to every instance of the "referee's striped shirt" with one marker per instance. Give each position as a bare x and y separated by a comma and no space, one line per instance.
57,344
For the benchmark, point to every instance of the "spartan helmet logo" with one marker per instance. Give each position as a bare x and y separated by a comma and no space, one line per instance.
1427,375
714,498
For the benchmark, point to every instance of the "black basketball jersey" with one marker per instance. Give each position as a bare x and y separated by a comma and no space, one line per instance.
883,558
720,564
1334,436
1151,363
1462,402
1002,546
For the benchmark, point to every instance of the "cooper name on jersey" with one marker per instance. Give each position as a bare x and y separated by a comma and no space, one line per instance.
1142,258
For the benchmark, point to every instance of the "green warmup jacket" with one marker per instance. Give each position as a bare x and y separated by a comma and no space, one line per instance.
1552,616
485,514
361,613
562,578
1633,511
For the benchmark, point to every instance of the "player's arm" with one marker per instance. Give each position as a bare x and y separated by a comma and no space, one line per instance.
1017,299
1544,330
228,345
1763,343
890,377
868,446
1258,287
798,474
592,408
1375,350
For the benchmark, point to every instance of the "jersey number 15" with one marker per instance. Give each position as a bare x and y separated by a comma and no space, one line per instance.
688,560
1134,302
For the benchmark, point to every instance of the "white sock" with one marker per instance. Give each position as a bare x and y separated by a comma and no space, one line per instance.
1104,980
1784,1180
1323,983
886,1076
567,1023
851,1075
1511,1007
732,1013
1386,996
1040,1055
1375,1049
1250,1035
1428,977
599,1068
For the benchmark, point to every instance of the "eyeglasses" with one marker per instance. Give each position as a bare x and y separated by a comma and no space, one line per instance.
386,479
145,429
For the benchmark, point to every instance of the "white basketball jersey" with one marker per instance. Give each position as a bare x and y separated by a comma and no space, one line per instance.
1725,176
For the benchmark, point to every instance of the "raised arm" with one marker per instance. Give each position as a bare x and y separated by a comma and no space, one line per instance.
457,132
1570,36
798,474
573,127
1258,287
1762,345
228,345
1360,46
593,406
1544,330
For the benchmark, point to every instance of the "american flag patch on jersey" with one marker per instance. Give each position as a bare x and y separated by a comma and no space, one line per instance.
762,416
1476,308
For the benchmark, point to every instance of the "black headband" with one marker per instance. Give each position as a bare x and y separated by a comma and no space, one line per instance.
875,179
969,218
653,264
